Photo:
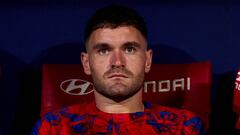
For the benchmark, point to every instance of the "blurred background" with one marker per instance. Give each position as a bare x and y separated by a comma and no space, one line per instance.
33,32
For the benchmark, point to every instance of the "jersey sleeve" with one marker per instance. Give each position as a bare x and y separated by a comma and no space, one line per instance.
193,125
42,127
47,125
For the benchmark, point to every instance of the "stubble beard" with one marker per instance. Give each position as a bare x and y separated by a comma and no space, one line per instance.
120,89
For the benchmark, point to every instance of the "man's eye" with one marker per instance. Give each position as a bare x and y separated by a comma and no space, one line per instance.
130,50
103,51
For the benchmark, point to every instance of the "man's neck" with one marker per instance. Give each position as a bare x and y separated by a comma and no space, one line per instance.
130,105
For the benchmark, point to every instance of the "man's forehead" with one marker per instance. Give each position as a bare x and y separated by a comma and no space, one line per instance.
120,34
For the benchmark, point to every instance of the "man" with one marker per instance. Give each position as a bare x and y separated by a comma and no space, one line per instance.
117,58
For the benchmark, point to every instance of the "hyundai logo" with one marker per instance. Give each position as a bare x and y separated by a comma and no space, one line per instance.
76,87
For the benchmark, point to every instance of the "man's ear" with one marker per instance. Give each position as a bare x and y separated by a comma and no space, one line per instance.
148,62
85,63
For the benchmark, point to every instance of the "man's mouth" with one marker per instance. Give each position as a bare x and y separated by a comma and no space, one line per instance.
117,76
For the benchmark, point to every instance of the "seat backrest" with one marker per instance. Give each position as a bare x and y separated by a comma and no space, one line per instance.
236,99
179,85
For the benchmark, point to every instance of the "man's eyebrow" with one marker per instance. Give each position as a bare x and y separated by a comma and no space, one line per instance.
100,45
132,44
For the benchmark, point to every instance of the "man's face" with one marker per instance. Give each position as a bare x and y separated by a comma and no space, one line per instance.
117,59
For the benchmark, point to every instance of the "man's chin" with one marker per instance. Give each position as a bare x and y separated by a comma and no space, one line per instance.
118,95
119,98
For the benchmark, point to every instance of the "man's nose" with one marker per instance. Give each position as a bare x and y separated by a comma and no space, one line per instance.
118,59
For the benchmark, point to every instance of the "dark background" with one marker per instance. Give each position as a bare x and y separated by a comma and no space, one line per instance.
33,32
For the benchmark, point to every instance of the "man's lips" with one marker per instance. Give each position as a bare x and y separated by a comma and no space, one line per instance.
117,75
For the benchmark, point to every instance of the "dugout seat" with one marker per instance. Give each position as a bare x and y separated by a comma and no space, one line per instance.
179,85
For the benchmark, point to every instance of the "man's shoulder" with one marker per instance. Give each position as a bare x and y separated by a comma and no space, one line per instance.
82,108
178,115
156,108
69,112
54,120
177,118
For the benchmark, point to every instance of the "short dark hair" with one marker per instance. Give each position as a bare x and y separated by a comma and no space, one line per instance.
114,16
